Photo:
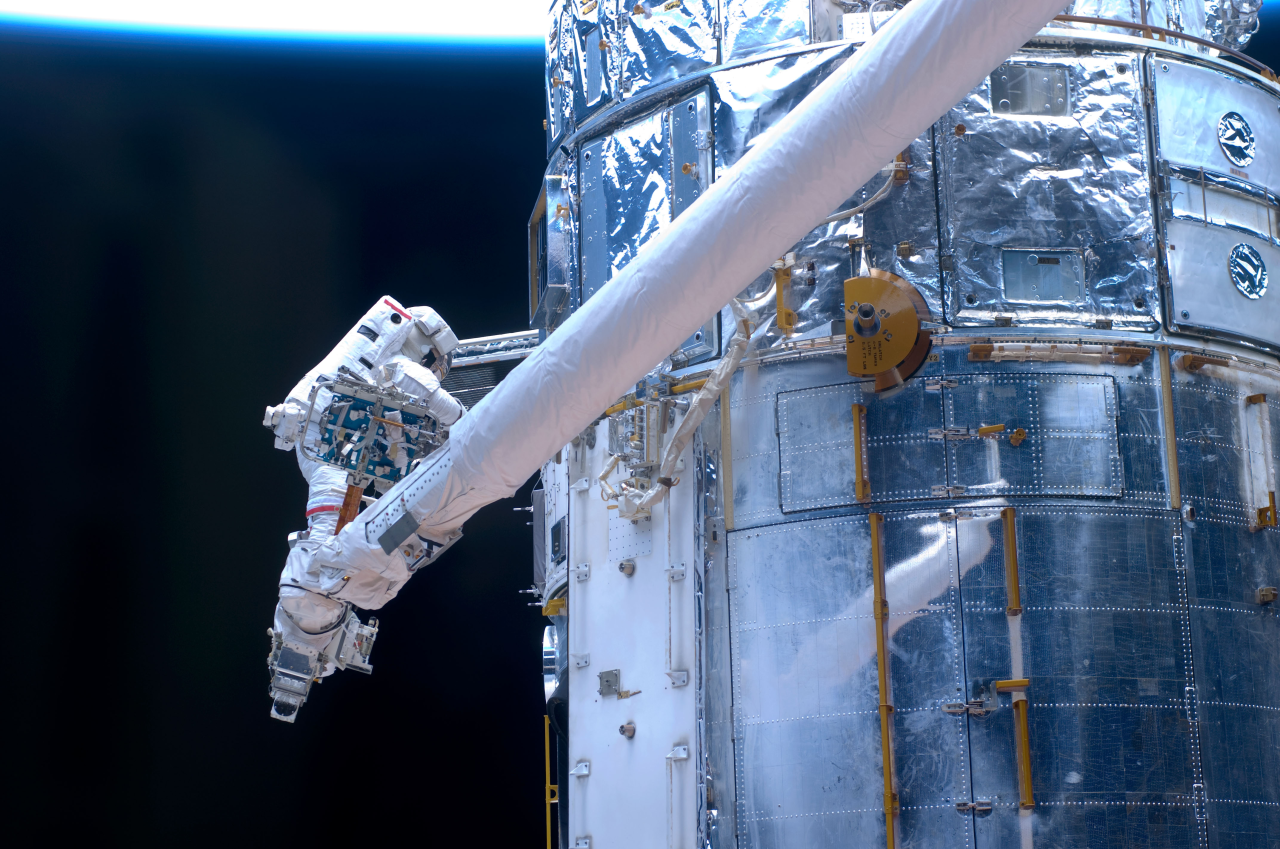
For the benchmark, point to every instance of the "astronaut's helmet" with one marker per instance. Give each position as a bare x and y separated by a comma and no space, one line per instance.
430,341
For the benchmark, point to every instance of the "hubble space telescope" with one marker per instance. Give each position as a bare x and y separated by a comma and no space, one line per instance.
902,386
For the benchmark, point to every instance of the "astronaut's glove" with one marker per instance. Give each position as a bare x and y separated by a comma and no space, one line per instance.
285,421
313,636
420,382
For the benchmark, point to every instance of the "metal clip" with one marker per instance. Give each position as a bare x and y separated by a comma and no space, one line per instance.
978,806
581,572
939,384
679,753
679,677
976,707
947,515
582,770
581,661
704,139
676,573
943,491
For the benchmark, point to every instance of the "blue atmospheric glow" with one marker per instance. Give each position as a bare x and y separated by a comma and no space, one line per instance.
8,19
496,23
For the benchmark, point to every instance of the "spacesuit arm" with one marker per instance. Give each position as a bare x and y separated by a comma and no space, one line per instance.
417,380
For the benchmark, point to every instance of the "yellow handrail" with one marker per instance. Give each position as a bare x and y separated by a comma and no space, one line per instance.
1008,514
880,613
861,484
553,790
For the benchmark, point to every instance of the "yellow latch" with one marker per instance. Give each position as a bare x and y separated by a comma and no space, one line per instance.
782,288
1267,515
556,607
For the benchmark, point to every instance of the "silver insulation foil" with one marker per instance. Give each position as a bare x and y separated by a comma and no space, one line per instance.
1057,178
1182,15
664,41
636,168
755,26
1232,22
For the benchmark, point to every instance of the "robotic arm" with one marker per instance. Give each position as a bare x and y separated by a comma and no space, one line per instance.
367,413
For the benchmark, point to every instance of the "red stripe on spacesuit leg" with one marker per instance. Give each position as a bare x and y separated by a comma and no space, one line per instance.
387,301
327,508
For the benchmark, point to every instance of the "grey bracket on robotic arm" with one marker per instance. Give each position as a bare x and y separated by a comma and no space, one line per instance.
398,514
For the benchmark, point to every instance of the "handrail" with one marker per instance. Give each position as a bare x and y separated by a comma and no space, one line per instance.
1023,738
880,613
861,484
1009,515
1022,735
552,794
1171,33
1170,434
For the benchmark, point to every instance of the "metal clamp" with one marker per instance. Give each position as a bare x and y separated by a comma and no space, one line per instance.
941,490
978,806
1008,515
861,484
976,707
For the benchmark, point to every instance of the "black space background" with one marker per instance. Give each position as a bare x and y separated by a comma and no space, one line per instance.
186,226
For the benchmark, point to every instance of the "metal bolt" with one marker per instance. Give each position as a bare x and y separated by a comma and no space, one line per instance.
628,730
1186,314
627,567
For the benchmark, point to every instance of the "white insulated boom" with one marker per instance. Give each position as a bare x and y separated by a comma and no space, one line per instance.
916,67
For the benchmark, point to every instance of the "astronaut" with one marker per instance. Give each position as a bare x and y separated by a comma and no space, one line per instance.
314,632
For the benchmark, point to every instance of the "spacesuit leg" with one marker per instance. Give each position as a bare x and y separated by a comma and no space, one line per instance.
303,613
311,631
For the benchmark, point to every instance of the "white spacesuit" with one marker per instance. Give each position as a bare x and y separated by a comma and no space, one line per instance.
316,631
